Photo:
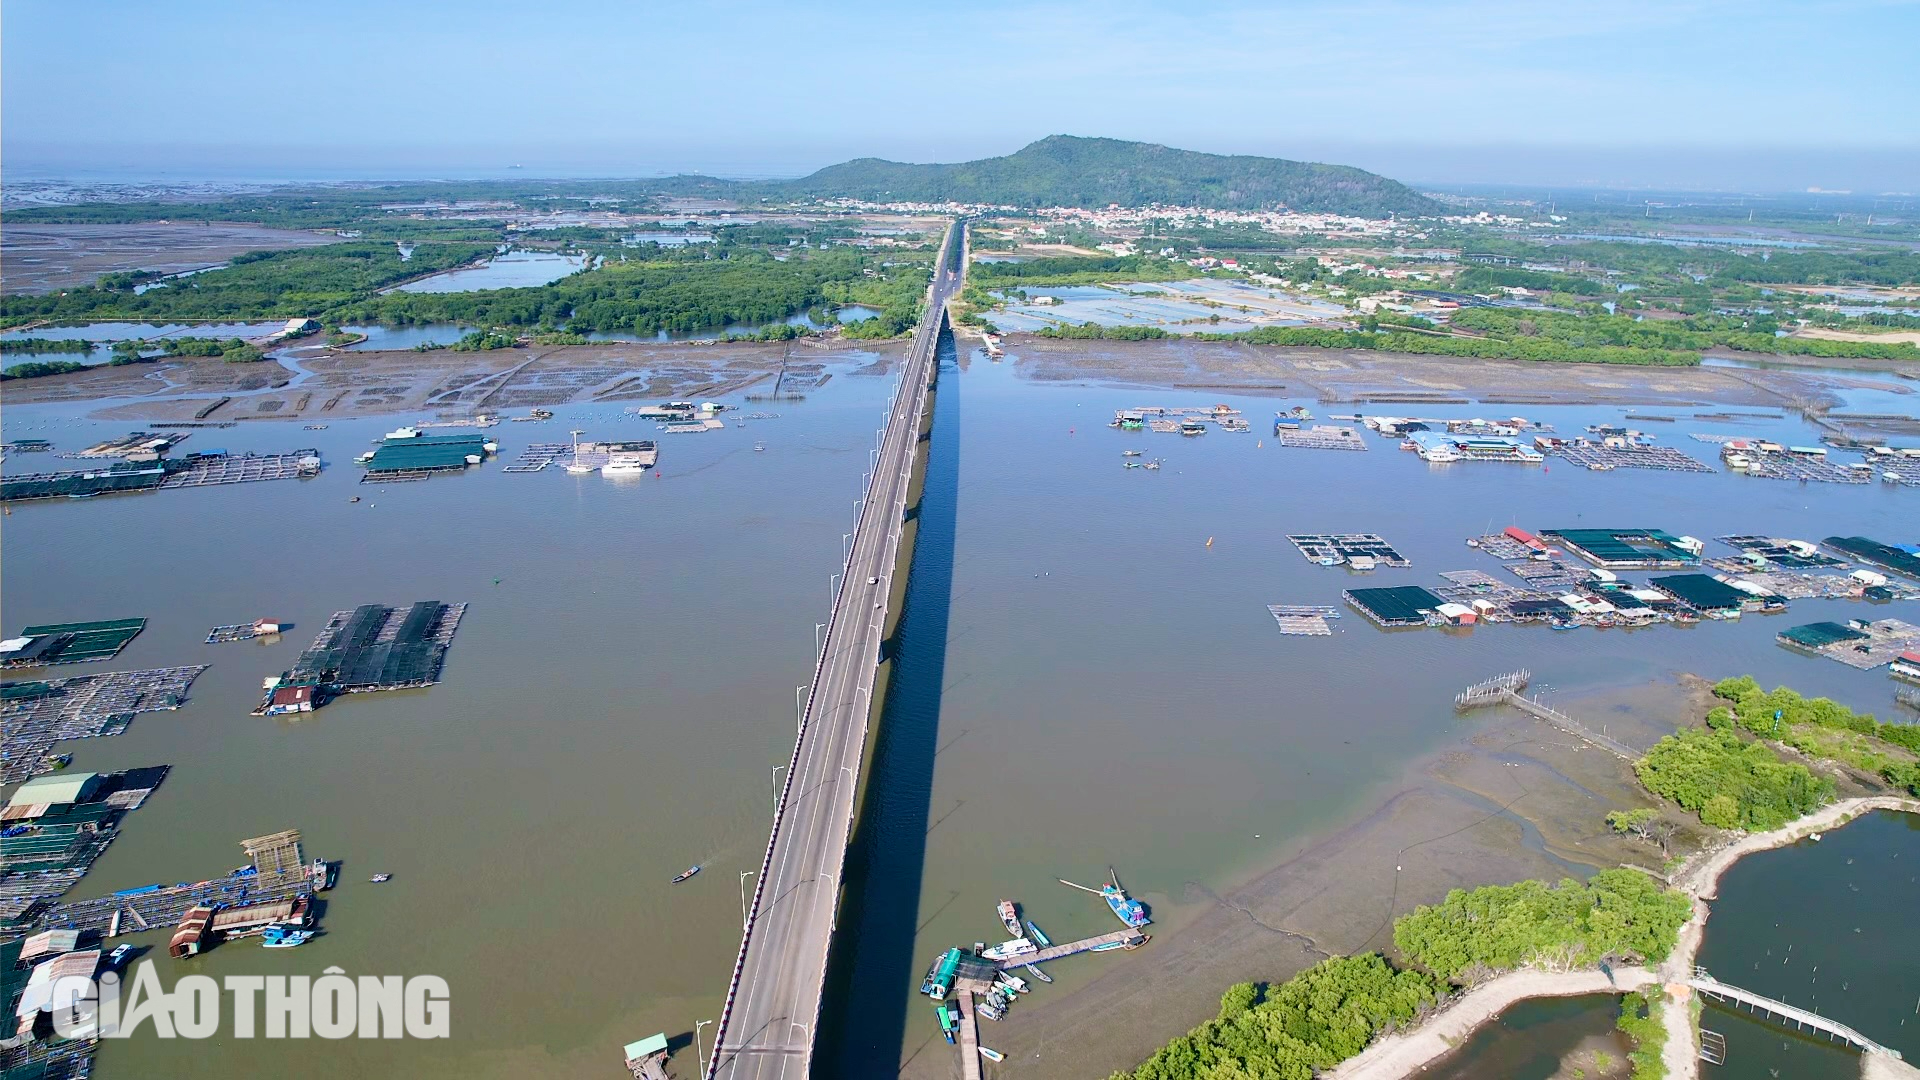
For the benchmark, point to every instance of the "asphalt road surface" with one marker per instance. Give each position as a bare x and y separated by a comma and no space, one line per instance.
767,1029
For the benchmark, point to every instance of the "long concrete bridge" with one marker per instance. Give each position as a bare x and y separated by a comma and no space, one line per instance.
766,1027
1801,1019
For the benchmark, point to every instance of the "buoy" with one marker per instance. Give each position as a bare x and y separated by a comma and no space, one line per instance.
1209,541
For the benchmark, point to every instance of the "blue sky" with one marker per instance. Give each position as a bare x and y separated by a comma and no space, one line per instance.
1741,93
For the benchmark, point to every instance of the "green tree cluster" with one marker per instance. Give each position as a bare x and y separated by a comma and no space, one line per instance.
1542,349
45,345
1729,782
484,340
1331,1011
1078,270
1640,1022
257,285
1488,279
34,369
1092,331
677,292
1311,1022
1805,723
1597,330
1476,932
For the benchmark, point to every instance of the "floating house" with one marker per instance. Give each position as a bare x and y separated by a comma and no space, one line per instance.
1818,636
1706,595
401,454
1626,549
1405,605
372,647
1906,666
1449,446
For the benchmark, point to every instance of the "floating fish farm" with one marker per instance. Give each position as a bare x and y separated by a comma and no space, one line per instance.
1365,550
35,715
369,648
1304,620
69,643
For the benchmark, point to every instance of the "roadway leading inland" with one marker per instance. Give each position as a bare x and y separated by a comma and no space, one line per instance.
766,1027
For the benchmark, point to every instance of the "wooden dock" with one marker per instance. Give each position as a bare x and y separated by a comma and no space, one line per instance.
275,872
969,1038
1505,690
1071,948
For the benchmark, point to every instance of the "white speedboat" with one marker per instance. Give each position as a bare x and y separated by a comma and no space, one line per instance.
623,468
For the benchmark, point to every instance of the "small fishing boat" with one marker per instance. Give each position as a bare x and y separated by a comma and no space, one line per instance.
1034,970
990,1053
284,937
759,448
989,1010
946,1021
321,872
1130,464
1131,453
940,975
1129,944
1125,908
1038,935
119,955
1014,982
1007,950
61,761
1151,465
380,878
685,874
1009,917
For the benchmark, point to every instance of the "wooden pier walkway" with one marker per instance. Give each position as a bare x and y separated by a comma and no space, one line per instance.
1072,948
1505,690
969,1037
1799,1018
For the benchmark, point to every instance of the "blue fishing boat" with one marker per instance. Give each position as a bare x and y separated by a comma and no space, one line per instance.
278,936
1038,935
1125,908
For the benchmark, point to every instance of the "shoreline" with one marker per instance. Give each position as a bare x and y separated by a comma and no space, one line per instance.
1455,815
1402,1053
1327,376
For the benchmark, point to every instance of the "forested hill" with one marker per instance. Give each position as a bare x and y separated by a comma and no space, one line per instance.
1063,170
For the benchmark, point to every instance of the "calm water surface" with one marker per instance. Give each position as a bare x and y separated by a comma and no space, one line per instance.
610,712
1531,1040
1110,689
1827,926
511,270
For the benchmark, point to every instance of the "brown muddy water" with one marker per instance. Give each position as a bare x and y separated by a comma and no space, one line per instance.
1093,685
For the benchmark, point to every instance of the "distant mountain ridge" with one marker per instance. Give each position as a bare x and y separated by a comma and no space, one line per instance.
1066,170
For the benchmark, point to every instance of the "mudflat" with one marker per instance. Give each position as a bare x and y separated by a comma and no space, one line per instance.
312,383
1361,376
38,258
1513,798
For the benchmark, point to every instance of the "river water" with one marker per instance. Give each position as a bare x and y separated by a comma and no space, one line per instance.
1542,1039
1827,926
1114,692
1089,682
